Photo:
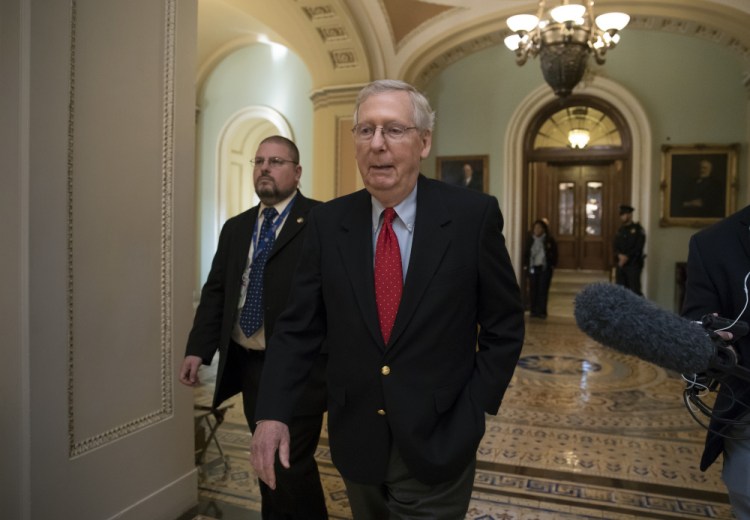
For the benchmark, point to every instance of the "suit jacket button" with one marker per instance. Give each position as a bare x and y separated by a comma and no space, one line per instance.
381,412
385,370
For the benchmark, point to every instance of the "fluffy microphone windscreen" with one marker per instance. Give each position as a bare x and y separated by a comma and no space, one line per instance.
618,318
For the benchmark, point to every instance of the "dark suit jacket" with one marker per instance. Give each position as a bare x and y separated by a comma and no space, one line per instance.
718,261
217,310
429,388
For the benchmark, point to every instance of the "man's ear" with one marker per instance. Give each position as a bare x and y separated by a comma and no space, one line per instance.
426,143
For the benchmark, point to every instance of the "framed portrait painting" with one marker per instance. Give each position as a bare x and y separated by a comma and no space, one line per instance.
469,171
698,184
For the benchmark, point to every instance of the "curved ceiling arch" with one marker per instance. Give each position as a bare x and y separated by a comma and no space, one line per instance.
713,20
346,42
324,36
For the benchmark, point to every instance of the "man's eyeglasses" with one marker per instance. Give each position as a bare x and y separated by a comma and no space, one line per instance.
392,132
273,162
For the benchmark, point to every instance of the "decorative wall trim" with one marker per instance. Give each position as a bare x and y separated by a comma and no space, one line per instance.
319,12
343,58
167,204
333,33
690,28
331,27
78,447
341,95
72,448
457,53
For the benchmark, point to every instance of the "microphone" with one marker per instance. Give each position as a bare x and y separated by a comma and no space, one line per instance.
618,318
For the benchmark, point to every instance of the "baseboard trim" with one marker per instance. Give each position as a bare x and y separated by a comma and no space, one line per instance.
167,503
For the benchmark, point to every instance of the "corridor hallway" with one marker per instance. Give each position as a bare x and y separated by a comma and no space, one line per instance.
583,433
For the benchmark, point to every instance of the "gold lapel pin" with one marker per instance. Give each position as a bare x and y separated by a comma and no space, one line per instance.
300,220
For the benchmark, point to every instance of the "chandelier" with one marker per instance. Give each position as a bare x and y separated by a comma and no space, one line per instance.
564,38
578,138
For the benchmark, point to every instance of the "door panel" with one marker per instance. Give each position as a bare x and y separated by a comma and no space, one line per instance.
578,200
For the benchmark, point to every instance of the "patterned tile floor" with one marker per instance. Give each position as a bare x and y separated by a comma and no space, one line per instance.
584,433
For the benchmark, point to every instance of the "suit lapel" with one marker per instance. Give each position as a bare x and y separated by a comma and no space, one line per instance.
245,233
295,222
355,245
431,238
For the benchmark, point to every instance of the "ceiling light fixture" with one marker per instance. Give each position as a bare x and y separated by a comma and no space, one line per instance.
578,138
564,38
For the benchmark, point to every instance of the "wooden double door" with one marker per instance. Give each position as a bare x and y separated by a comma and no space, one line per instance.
580,202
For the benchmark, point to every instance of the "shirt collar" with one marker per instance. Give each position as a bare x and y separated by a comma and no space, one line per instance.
406,210
280,206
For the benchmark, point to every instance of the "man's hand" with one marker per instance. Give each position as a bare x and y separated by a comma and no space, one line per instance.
268,437
717,326
622,259
189,370
725,335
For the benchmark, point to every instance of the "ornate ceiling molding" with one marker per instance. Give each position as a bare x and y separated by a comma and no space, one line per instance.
456,53
332,96
691,28
334,36
425,74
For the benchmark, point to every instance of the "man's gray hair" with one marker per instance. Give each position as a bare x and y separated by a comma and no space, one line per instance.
424,116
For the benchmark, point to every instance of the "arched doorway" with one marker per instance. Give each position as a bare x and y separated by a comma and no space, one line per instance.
577,186
238,143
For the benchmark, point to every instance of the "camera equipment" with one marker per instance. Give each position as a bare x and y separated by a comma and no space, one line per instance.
723,364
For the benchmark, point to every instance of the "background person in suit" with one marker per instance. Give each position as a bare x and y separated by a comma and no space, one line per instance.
628,249
409,286
247,288
718,270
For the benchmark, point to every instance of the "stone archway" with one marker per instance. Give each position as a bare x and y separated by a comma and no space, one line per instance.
520,124
578,190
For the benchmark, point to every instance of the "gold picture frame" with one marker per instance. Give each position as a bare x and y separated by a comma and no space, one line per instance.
452,171
698,184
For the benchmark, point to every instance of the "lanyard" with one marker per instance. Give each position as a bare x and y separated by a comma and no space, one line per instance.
274,226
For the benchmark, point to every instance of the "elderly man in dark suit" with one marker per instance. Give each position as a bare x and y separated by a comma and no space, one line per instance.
718,275
409,288
246,290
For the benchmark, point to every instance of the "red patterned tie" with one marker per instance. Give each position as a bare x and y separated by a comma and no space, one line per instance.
388,274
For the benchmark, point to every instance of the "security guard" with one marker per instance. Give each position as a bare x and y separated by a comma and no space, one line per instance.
628,248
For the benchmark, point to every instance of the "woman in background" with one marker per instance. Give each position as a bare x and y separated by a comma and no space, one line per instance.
541,258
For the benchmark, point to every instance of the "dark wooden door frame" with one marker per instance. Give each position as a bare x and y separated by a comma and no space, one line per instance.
579,249
576,157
